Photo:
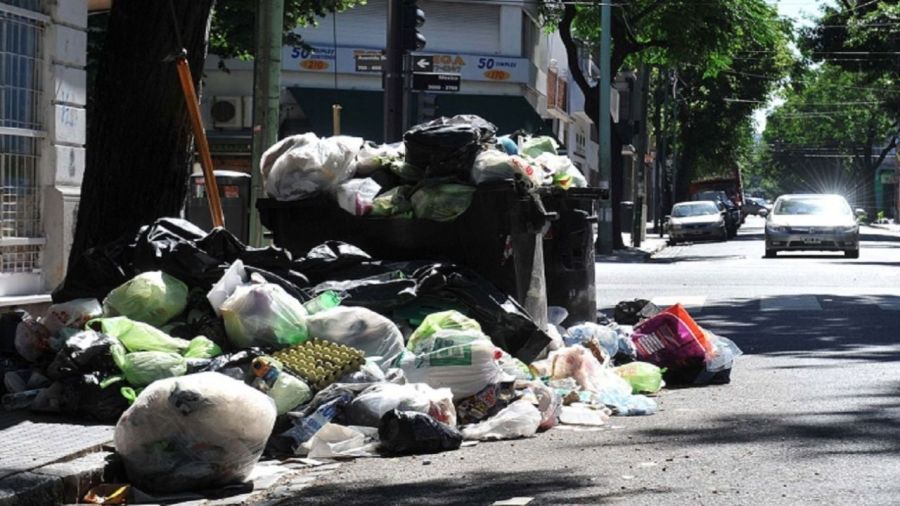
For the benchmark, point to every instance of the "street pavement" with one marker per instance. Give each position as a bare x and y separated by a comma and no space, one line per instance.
811,417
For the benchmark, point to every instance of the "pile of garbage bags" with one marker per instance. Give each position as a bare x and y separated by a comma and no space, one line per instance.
431,175
209,354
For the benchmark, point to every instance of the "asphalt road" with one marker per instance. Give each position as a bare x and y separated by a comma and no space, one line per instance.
812,415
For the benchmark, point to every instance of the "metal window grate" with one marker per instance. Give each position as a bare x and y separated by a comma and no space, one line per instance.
21,54
20,206
20,259
31,5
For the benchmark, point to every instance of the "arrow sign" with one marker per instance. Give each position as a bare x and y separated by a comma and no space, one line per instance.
424,63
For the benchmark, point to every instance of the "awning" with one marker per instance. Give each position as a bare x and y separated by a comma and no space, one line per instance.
509,113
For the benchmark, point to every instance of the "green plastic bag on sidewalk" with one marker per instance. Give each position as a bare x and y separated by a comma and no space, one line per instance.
434,323
443,202
138,336
202,347
144,367
644,378
151,297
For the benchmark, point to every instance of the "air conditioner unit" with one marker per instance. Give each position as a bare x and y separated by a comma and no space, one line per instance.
227,112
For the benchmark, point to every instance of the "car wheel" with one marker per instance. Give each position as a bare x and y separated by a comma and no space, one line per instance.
771,253
852,253
723,236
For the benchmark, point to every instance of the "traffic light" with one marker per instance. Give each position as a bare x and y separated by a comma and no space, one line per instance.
411,19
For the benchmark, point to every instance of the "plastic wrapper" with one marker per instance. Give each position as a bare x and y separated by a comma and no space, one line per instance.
606,337
32,339
337,441
359,328
420,339
581,414
142,368
288,391
264,315
535,146
644,378
485,403
73,314
443,202
370,405
150,297
547,400
463,368
309,165
519,419
671,339
357,195
192,433
138,336
410,432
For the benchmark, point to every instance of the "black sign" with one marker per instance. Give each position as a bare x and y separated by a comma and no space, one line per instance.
369,62
423,63
435,82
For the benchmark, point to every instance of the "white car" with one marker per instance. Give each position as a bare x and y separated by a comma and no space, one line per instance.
806,222
701,219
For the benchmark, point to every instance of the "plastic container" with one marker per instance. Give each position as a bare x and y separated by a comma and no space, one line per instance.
498,236
569,252
234,193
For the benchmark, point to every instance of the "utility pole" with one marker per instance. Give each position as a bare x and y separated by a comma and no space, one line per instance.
393,75
639,222
674,135
266,97
604,226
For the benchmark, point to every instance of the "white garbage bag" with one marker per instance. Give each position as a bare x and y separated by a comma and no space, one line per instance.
356,196
309,166
359,328
263,315
194,432
519,419
372,403
463,368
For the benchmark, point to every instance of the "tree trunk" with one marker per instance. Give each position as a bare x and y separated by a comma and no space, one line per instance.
139,137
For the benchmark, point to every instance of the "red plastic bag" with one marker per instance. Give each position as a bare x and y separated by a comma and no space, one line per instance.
671,339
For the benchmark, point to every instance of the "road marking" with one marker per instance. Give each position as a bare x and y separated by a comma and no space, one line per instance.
690,301
790,303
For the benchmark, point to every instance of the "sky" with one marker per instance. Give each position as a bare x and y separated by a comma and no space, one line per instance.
803,12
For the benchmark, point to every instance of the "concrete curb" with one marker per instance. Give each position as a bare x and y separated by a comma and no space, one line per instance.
59,483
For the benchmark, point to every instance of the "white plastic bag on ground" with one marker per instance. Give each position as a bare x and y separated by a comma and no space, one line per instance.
263,315
338,441
72,314
582,414
356,195
371,404
607,337
194,432
359,328
465,368
519,419
311,167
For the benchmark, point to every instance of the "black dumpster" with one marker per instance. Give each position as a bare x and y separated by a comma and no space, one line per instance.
499,237
234,193
627,209
569,252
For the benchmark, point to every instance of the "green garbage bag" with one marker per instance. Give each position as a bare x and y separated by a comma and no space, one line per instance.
202,347
138,336
435,322
141,368
643,377
394,202
264,315
151,297
442,202
534,146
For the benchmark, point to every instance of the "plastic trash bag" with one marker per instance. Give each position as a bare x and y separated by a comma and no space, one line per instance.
435,322
644,378
519,419
717,366
535,146
194,432
141,368
372,157
606,337
310,166
85,352
465,368
409,432
369,406
150,297
234,277
73,314
549,403
443,148
32,339
561,171
443,202
138,336
357,195
394,202
202,347
263,315
485,403
288,391
671,339
582,414
359,328
338,441
493,165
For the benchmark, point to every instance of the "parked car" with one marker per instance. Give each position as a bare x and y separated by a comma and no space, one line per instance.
702,219
733,217
812,222
755,206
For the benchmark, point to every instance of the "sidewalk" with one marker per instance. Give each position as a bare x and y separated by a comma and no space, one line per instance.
891,227
651,245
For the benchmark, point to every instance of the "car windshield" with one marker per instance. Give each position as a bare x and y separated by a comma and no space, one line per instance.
695,209
831,206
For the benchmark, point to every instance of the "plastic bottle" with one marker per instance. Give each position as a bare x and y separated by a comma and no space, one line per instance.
325,300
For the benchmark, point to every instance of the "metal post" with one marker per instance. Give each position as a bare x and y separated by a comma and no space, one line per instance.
266,97
393,76
604,227
336,118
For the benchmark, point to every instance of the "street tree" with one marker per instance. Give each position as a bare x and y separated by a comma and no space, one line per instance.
139,140
705,35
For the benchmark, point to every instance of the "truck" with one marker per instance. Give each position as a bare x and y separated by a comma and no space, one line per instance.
727,190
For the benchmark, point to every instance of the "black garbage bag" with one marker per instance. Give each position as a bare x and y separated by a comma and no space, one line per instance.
85,352
235,365
169,245
380,293
631,312
443,149
96,272
409,432
224,245
326,260
100,401
9,322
